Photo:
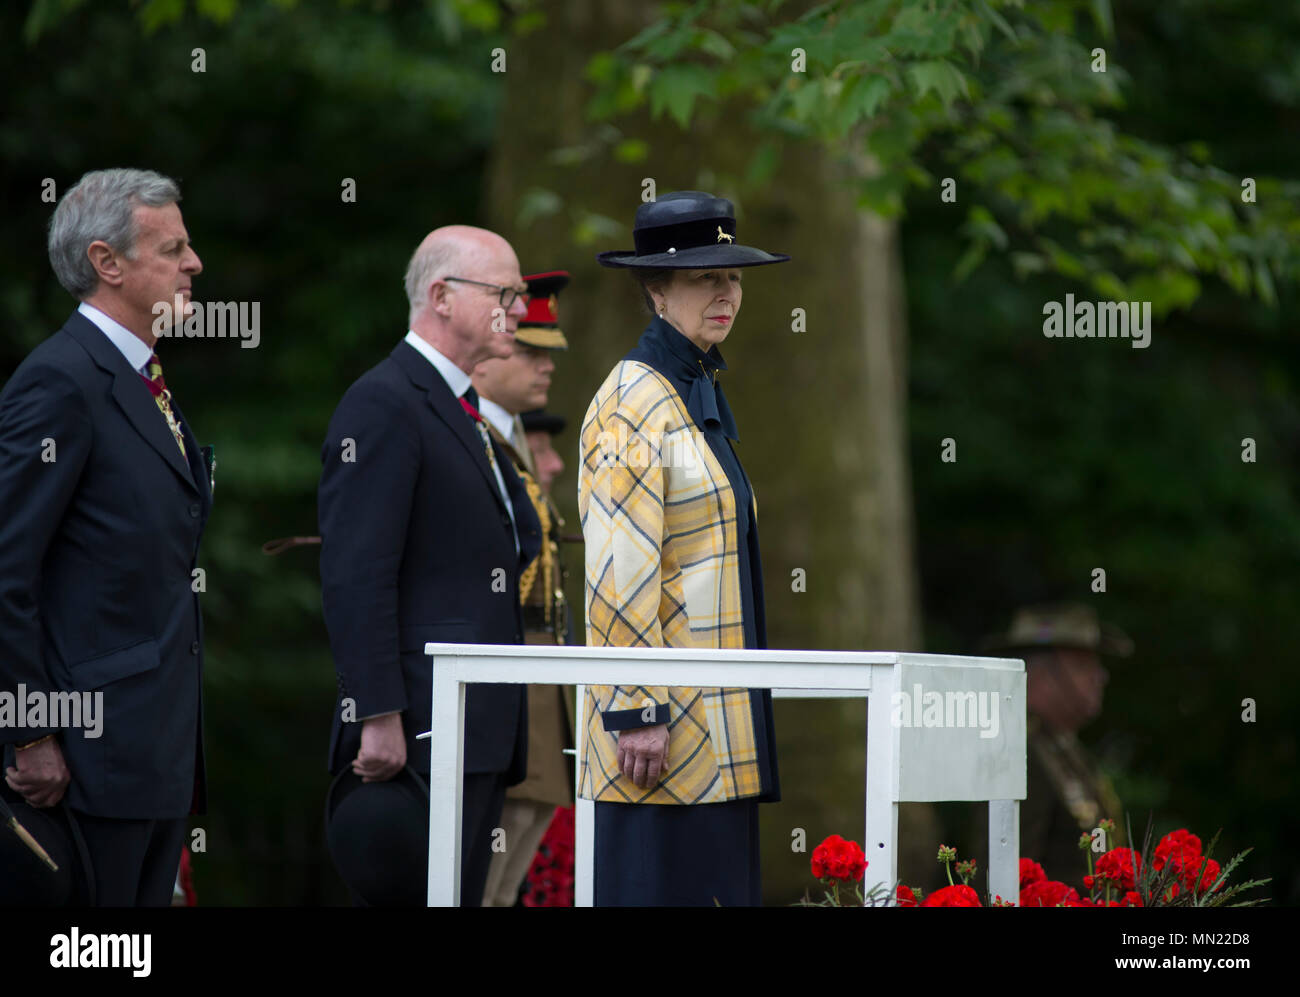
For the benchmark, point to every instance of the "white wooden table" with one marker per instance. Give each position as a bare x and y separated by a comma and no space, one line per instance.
939,727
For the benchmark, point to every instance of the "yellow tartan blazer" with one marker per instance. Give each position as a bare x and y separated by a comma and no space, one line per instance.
662,570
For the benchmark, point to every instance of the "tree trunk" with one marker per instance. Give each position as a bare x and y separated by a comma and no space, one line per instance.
821,411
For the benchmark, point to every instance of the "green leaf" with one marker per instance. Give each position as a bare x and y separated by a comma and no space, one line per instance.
1064,262
446,17
981,224
1236,274
218,11
1104,17
670,45
805,96
1027,264
1264,283
1109,286
861,97
156,14
882,194
892,140
714,44
675,88
642,74
481,15
642,38
537,202
972,258
997,20
592,228
529,21
974,34
940,76
601,68
632,150
569,155
917,30
1166,289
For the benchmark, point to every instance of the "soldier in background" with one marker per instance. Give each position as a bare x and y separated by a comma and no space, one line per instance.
1068,795
507,389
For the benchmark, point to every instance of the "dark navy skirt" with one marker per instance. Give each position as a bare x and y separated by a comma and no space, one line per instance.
654,855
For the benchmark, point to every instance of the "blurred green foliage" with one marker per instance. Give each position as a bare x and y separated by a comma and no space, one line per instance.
1014,101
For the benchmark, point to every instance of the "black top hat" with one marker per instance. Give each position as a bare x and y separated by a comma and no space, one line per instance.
687,230
539,419
378,837
25,880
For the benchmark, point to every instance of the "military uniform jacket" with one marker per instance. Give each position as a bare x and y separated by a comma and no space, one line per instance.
1068,796
550,715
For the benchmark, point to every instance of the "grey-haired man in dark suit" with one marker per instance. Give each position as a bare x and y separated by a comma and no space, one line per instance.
105,494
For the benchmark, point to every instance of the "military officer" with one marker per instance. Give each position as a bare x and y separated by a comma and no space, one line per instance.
508,388
1068,794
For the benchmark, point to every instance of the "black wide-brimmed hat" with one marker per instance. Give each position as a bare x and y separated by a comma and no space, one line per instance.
687,230
25,879
378,837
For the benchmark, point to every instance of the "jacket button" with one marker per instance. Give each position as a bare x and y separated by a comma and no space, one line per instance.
194,511
194,648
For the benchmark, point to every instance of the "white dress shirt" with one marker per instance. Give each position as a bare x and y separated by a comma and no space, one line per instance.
459,381
500,418
128,343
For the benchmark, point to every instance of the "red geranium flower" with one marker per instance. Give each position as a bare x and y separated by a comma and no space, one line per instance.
906,898
953,896
1207,869
1120,866
1030,872
550,876
1179,846
836,858
1047,893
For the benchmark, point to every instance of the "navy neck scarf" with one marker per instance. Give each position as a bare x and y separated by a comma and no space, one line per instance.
690,368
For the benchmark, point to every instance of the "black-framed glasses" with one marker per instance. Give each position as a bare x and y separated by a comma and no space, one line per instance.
507,296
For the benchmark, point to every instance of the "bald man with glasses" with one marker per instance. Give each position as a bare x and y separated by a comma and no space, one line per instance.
425,530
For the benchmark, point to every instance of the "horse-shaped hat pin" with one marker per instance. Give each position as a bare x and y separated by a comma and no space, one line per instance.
723,235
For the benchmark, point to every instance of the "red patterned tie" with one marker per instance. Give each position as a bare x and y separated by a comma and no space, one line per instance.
469,402
158,388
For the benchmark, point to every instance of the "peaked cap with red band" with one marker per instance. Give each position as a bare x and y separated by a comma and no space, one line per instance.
540,327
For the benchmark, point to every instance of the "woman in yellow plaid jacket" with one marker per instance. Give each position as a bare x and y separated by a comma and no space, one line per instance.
672,560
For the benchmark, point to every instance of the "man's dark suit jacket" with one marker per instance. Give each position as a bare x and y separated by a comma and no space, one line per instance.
416,546
97,551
